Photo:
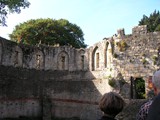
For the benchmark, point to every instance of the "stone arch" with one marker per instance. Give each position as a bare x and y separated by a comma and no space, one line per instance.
17,56
82,59
63,61
108,54
95,58
38,60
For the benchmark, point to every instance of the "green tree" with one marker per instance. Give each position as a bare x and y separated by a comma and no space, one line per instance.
48,32
11,6
152,22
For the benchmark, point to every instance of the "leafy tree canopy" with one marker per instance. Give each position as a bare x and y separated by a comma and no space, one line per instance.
152,22
11,6
48,32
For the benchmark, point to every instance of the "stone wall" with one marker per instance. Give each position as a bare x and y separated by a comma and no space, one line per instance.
135,55
63,81
35,93
42,57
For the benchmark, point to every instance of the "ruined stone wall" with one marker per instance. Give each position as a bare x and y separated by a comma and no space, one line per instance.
42,57
139,57
68,82
135,55
31,93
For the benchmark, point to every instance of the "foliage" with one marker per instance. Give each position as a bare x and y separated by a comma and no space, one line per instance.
120,79
11,6
116,82
122,45
152,22
115,55
48,32
155,58
112,82
140,88
144,61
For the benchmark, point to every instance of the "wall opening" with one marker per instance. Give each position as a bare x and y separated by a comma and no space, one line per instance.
108,55
38,61
93,58
97,60
82,62
105,55
16,58
81,59
63,61
139,88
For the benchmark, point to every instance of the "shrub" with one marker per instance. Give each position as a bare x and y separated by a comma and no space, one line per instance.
144,61
155,58
115,55
122,45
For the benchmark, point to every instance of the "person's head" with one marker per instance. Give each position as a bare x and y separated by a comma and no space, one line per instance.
156,82
111,103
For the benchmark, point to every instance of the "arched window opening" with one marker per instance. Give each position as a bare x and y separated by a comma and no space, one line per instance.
38,57
38,60
108,55
94,66
97,60
16,55
63,61
82,62
16,59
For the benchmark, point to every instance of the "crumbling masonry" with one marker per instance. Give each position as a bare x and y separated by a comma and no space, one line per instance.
45,81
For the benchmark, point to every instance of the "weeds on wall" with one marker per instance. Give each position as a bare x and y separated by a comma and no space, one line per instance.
112,82
144,61
143,54
140,88
155,58
115,55
115,82
122,45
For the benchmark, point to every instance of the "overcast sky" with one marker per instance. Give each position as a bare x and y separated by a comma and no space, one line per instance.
97,18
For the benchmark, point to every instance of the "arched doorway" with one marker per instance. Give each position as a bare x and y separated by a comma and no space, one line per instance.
95,58
108,55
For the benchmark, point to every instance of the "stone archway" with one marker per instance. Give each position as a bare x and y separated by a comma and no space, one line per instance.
108,55
82,59
63,61
17,56
38,60
95,58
